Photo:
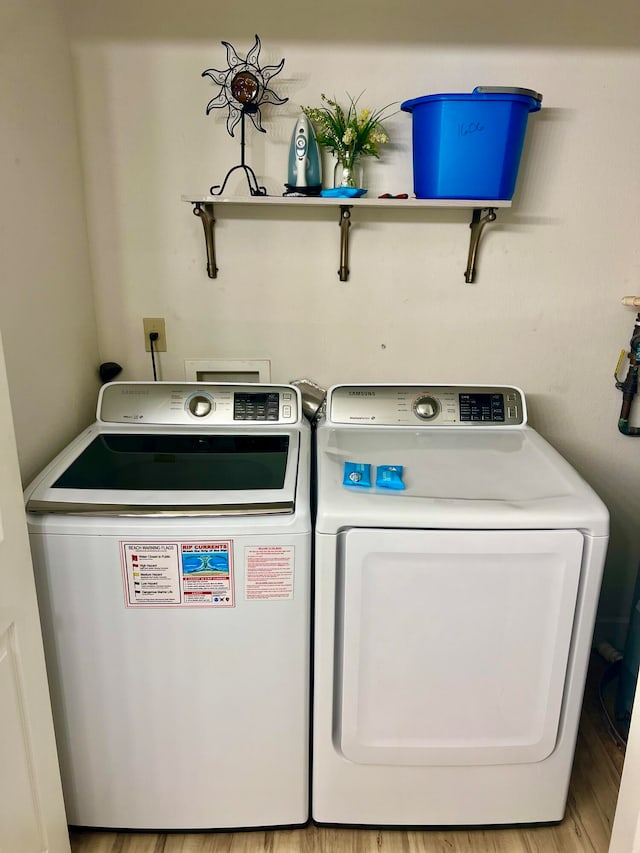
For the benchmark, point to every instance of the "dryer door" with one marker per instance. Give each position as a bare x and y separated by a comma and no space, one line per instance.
453,645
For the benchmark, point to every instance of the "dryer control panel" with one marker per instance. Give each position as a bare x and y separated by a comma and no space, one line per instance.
198,404
427,405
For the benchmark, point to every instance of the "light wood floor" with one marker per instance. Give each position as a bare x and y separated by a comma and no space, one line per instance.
586,827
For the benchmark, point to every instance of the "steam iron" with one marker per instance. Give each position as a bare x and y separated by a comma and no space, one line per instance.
305,169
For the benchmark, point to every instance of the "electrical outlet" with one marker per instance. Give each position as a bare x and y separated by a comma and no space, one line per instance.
154,324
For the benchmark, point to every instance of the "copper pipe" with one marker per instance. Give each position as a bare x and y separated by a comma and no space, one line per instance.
629,386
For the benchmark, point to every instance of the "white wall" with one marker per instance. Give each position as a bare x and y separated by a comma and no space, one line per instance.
545,312
47,317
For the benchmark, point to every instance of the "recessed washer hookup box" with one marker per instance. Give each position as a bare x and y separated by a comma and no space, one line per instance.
469,145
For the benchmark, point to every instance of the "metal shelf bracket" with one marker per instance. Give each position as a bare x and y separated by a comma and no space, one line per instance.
481,215
204,209
345,225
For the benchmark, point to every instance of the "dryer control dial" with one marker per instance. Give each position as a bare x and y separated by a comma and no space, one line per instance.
199,405
426,407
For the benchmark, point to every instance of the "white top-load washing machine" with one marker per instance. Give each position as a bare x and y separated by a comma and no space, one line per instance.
453,618
171,544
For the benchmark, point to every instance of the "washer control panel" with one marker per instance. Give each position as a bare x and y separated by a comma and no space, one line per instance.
200,404
427,405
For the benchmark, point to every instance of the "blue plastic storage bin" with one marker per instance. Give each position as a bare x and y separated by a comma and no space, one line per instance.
469,146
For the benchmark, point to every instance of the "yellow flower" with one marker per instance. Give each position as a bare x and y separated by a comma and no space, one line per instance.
348,132
379,137
349,136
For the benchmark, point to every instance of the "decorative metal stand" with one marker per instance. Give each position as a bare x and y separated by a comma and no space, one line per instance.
244,88
254,186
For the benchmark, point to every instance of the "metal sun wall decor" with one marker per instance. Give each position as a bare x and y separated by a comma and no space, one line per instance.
244,88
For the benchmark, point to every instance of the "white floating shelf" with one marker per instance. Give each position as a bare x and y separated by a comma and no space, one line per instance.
363,201
484,211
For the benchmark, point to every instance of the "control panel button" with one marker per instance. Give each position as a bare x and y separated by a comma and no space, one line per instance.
199,406
426,407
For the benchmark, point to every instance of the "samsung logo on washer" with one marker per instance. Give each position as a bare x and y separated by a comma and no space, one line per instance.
362,393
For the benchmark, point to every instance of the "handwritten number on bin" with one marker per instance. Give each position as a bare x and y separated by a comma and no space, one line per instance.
470,127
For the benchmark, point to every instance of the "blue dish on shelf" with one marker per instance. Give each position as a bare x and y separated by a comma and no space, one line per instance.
343,192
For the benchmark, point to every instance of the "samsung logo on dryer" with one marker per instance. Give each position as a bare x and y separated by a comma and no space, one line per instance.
362,393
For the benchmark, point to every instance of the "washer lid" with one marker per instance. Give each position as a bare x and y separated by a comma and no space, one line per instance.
454,477
131,471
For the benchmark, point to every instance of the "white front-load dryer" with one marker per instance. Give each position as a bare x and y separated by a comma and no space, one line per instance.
458,565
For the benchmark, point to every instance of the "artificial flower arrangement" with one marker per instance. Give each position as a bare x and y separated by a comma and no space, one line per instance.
348,134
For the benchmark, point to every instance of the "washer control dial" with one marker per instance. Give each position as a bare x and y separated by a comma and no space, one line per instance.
426,407
199,405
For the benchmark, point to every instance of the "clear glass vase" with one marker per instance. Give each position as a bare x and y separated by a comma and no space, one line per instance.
348,172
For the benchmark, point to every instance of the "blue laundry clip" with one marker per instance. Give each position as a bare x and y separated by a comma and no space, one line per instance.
357,475
389,477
